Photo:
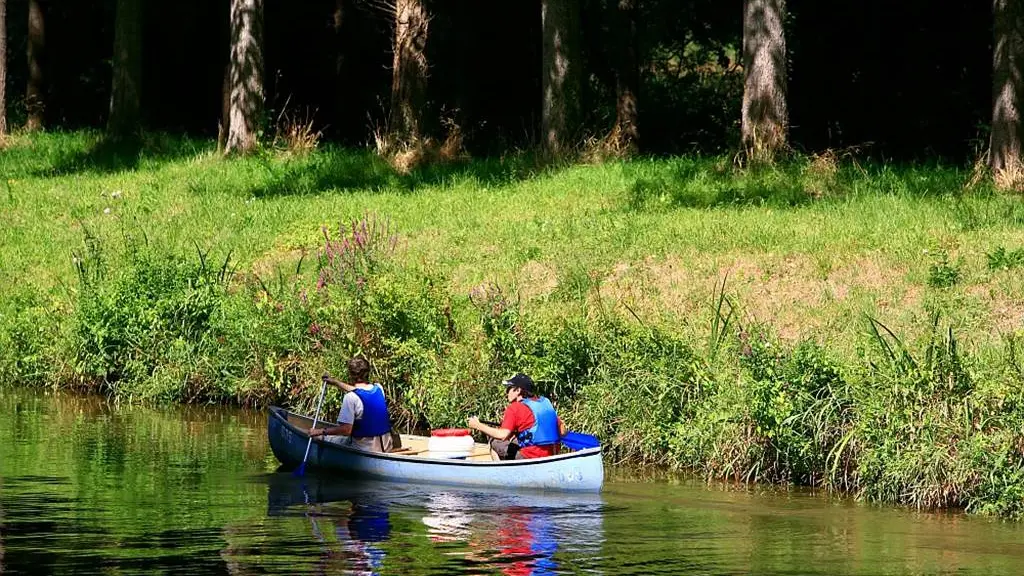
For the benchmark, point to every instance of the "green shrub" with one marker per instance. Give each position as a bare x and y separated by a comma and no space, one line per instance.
915,412
997,462
909,423
561,357
157,310
943,273
1003,259
797,409
267,348
502,322
645,382
28,333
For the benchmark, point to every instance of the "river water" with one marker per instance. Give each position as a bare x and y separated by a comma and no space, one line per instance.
88,487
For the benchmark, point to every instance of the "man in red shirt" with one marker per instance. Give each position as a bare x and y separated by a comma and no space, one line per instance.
529,429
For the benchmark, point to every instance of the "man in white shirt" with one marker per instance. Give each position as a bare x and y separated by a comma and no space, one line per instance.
363,421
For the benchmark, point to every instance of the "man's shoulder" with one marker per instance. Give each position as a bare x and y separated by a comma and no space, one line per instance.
517,408
520,414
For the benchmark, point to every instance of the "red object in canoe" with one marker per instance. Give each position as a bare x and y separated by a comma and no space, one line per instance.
450,432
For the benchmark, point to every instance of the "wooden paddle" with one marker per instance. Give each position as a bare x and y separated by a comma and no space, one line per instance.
301,470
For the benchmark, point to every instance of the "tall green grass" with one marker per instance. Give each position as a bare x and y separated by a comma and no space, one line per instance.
826,323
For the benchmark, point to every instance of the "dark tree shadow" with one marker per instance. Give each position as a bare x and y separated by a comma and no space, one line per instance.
346,170
707,183
332,168
108,155
340,170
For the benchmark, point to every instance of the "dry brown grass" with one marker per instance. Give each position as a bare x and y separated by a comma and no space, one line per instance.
10,139
537,280
979,171
284,260
611,146
453,147
1010,178
1006,311
821,173
406,155
294,133
823,170
788,292
763,149
411,155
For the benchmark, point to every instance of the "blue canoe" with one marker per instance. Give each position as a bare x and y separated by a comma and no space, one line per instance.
580,470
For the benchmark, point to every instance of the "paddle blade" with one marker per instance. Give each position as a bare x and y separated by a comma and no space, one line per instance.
580,441
300,471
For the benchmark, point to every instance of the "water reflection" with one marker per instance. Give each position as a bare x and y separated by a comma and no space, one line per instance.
512,533
87,487
1,540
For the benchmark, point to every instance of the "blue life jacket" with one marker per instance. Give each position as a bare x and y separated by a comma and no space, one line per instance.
375,420
545,424
369,522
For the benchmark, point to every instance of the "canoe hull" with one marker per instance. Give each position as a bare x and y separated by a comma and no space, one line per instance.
575,471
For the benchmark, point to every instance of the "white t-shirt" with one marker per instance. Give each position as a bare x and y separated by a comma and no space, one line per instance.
352,410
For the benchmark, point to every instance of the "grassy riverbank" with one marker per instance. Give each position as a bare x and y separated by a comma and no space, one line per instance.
863,341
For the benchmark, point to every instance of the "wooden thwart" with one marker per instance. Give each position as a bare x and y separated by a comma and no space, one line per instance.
405,452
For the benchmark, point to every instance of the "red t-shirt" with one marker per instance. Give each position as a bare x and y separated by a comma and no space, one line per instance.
518,417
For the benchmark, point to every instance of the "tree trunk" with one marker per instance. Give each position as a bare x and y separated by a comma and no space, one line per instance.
765,120
627,78
409,72
246,75
561,73
34,104
1005,149
3,67
126,83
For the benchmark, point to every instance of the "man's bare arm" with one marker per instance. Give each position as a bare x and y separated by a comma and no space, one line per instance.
339,430
496,433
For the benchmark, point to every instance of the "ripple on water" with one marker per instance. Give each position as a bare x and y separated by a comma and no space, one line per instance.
88,487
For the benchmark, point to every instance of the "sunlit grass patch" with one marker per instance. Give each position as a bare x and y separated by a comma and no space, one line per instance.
695,314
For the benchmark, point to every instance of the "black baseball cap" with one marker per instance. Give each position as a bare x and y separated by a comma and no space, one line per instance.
521,381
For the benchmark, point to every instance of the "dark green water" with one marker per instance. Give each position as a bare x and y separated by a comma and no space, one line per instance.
86,487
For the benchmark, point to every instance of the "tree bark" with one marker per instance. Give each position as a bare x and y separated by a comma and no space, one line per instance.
561,74
409,72
3,67
1005,148
627,78
34,103
126,82
765,117
246,75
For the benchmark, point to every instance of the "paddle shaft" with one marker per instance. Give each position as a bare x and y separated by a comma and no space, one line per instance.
316,418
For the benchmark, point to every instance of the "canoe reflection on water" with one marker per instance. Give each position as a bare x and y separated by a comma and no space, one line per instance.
468,530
